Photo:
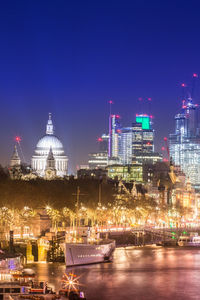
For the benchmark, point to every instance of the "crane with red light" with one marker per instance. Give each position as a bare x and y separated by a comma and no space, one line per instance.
188,91
18,140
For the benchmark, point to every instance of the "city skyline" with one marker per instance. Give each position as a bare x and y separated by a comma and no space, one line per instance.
142,107
73,59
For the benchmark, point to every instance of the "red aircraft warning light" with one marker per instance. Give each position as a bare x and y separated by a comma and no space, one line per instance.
18,139
110,102
195,75
165,138
100,139
163,148
183,84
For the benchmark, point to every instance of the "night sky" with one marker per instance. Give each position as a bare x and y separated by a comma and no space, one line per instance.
71,57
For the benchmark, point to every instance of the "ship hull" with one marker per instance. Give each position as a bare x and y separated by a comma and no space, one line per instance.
83,254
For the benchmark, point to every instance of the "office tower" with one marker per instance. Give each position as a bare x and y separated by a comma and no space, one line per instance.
114,137
99,159
143,140
185,142
103,143
125,148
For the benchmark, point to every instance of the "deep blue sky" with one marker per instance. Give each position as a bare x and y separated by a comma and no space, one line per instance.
71,57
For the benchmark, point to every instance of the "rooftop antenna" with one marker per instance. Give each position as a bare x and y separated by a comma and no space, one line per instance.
110,128
110,103
149,105
140,105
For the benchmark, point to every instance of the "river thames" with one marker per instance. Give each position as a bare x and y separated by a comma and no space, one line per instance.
135,273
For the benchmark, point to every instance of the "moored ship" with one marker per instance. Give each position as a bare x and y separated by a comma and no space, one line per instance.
88,249
193,240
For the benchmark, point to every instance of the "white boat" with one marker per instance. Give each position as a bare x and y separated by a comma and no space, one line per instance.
88,250
193,240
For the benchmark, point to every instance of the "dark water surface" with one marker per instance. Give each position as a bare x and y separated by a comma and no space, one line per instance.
136,273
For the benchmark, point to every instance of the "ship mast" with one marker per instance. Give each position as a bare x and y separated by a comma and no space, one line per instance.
78,194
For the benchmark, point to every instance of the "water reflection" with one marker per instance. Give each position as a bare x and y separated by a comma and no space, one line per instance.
136,273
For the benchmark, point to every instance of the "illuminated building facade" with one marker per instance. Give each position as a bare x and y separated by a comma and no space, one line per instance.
125,149
185,142
114,136
137,142
100,159
103,143
40,157
143,141
127,173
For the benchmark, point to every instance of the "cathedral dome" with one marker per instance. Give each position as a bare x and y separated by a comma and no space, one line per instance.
48,141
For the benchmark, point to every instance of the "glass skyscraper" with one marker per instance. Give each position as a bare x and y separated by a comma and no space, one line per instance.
137,142
114,136
185,142
143,139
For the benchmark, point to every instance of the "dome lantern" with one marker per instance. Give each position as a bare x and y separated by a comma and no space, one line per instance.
49,128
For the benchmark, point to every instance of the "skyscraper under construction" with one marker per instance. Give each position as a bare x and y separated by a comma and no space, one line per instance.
185,142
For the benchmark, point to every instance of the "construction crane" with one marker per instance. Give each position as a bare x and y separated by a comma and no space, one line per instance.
167,147
188,91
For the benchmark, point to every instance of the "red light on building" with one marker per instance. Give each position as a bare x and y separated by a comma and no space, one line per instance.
165,160
165,138
149,99
117,116
18,139
100,140
110,102
118,131
183,84
148,143
163,148
195,75
151,117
